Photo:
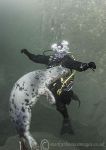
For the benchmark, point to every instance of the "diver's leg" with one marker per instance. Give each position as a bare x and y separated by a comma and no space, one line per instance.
66,126
75,97
61,107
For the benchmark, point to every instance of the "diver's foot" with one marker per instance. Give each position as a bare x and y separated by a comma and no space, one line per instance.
66,127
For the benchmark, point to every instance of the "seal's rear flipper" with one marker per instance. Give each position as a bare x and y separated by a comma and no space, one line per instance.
22,145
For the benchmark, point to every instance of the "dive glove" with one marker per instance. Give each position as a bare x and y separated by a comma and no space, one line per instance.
92,65
24,51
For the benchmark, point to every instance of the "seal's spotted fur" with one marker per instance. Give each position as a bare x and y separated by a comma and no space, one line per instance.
25,94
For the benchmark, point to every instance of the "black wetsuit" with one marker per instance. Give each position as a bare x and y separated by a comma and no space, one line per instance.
67,61
65,97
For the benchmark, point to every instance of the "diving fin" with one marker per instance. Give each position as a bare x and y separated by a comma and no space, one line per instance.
66,127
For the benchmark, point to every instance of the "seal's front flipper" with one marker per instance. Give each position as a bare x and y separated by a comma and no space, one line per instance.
66,127
50,96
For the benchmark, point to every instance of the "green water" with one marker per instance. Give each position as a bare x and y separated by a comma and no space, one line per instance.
35,25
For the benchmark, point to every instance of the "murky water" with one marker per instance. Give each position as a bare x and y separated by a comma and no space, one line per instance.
35,25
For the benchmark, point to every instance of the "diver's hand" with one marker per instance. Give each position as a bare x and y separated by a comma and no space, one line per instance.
92,65
24,51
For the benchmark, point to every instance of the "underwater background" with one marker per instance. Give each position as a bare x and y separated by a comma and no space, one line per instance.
35,25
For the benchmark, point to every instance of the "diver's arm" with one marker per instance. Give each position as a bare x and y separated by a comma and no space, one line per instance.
42,59
79,66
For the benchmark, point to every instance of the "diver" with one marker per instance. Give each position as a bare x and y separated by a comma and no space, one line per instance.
62,55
